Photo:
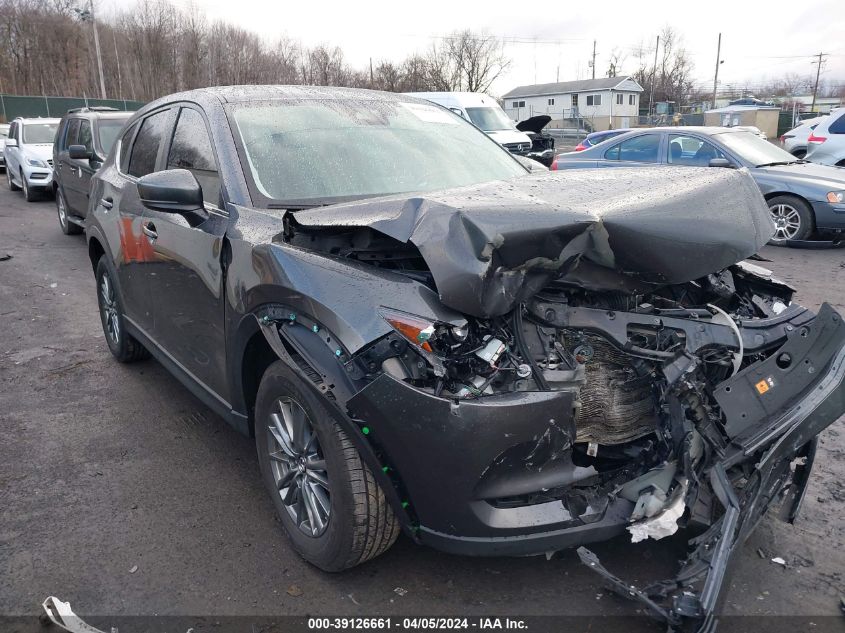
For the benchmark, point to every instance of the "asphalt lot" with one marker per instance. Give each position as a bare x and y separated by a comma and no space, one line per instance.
121,493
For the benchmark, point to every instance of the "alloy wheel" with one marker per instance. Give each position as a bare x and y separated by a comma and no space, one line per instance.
787,222
60,205
109,309
298,467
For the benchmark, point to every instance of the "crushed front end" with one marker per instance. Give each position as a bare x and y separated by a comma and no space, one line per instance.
608,361
580,415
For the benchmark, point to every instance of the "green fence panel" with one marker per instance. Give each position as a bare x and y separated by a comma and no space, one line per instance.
12,106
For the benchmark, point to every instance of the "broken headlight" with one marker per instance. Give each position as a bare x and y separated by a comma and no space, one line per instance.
432,339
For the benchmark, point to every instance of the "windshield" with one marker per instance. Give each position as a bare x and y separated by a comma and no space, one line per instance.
754,149
107,132
318,151
490,119
34,133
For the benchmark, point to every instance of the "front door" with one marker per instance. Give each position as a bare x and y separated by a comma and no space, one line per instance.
134,258
77,172
187,286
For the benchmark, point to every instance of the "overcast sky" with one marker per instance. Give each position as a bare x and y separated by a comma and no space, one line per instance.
760,39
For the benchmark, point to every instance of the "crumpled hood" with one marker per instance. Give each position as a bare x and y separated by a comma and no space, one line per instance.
492,245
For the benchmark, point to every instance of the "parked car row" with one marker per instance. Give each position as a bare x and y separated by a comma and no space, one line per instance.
422,335
803,197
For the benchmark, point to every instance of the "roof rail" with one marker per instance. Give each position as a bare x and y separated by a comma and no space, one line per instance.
93,109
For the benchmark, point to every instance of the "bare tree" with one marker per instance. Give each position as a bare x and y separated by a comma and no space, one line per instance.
158,48
672,77
476,60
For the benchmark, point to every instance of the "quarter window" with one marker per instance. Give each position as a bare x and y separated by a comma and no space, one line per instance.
72,133
641,149
837,126
145,148
191,150
85,136
689,150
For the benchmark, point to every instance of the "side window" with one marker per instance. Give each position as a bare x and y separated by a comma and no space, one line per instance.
13,130
125,140
689,150
142,161
643,149
191,150
837,126
72,131
84,137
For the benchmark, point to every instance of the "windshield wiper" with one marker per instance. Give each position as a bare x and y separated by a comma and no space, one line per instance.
781,162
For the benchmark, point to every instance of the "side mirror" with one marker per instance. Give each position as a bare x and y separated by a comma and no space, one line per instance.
11,142
719,162
171,191
79,152
458,112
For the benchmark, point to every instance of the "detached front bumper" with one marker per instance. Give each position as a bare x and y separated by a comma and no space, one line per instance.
775,410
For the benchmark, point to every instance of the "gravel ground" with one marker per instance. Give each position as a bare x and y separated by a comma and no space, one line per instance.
123,494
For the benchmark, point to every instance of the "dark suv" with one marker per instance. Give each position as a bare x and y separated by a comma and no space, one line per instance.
421,334
84,140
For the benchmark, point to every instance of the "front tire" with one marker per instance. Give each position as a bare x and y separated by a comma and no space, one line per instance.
793,219
122,345
333,511
12,185
68,227
28,193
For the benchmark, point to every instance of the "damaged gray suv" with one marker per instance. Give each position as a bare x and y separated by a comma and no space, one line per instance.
423,336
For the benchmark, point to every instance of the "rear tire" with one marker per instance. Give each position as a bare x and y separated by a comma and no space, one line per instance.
793,218
68,227
360,523
123,346
12,185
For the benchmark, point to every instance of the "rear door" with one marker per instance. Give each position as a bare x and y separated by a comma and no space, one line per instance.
187,287
12,153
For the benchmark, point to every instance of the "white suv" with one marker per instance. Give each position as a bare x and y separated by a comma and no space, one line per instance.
29,156
826,144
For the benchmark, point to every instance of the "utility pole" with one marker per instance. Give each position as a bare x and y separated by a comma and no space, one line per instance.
818,72
718,63
594,59
653,74
85,15
371,73
99,56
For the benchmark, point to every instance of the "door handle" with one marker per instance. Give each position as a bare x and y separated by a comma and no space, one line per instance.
107,203
149,230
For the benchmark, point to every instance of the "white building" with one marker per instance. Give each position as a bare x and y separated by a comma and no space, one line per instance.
606,102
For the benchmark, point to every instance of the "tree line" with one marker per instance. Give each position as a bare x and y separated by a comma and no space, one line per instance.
156,49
